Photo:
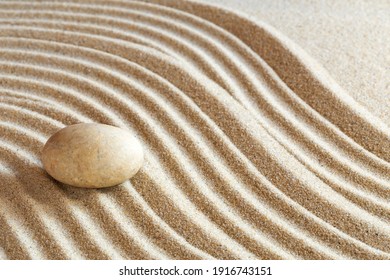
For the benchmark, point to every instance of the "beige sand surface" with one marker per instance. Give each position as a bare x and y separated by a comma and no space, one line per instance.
253,149
350,39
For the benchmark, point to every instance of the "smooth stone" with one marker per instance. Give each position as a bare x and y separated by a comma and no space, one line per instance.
91,155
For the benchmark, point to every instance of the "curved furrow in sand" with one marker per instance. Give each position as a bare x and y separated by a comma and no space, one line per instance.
23,248
32,199
123,24
187,165
238,249
189,252
147,8
131,250
75,211
139,6
367,184
344,187
107,219
193,252
91,201
41,106
315,86
25,204
243,226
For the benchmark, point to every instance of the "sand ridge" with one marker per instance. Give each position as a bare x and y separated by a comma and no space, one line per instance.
252,150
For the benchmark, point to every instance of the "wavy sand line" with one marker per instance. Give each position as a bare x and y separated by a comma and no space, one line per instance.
219,168
340,166
249,164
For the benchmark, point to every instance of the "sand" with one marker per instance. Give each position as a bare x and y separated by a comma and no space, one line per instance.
253,150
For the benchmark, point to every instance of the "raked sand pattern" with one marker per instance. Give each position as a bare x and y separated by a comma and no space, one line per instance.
252,150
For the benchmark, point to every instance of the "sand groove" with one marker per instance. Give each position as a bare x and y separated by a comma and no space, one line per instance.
252,150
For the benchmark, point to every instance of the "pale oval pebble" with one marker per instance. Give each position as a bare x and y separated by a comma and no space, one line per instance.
91,155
